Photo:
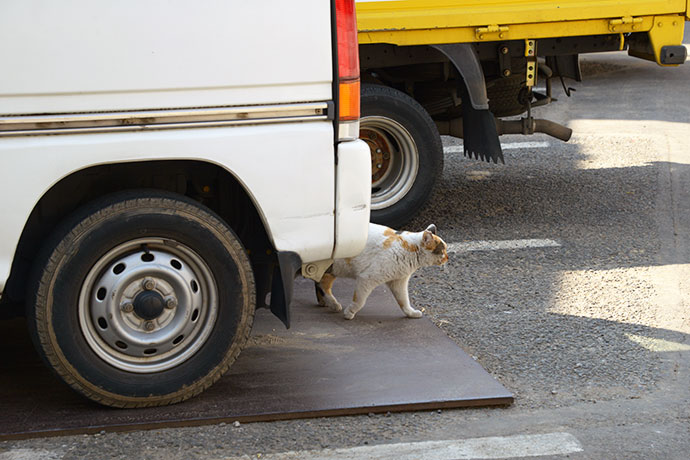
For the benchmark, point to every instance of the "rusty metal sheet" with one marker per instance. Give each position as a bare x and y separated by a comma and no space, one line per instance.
323,366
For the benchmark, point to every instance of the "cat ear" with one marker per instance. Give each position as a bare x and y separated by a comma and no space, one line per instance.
431,228
427,238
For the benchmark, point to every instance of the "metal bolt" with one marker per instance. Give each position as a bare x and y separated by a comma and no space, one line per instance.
378,150
504,50
149,326
372,136
379,166
507,73
127,307
386,156
481,37
148,284
171,303
613,28
501,35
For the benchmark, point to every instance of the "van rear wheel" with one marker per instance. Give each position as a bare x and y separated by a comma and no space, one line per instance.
142,299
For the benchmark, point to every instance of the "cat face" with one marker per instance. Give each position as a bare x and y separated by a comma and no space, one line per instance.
434,246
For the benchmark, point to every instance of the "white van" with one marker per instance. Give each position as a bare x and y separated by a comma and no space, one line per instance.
164,167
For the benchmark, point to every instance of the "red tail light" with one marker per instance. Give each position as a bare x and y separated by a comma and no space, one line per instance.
348,60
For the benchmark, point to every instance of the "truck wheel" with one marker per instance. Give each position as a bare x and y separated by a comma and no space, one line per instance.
141,299
406,153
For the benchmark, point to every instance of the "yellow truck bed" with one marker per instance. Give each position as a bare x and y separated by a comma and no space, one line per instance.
425,22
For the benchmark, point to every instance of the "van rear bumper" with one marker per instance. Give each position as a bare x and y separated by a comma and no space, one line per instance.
352,198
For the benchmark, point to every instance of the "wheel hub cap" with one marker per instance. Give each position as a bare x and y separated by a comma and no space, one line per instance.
149,305
380,154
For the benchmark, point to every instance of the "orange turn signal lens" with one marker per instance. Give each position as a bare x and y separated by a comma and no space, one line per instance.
349,100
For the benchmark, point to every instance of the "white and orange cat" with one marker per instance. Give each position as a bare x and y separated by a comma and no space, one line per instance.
389,257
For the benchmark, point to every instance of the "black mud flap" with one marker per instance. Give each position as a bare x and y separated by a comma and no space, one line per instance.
480,138
289,263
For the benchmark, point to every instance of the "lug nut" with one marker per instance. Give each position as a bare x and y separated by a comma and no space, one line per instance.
171,303
504,50
379,166
506,73
149,326
149,284
127,307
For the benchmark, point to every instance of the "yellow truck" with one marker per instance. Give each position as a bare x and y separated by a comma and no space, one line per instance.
460,68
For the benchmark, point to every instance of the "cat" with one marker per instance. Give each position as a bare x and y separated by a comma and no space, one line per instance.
389,257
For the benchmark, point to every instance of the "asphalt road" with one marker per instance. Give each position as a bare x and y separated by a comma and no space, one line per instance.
590,331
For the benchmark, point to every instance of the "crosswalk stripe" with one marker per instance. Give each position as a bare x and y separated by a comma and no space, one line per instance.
501,245
497,447
504,146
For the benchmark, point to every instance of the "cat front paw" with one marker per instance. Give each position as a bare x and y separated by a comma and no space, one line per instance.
348,314
413,313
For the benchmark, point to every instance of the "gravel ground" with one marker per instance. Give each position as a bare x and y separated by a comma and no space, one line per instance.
589,335
552,324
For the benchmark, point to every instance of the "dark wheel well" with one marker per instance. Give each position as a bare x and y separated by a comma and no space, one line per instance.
206,183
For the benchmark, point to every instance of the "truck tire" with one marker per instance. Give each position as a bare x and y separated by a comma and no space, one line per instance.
406,153
141,299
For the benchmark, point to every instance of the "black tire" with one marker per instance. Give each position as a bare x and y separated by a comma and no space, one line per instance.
407,154
103,290
508,96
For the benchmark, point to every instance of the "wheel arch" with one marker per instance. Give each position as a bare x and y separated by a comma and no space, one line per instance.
406,65
208,183
461,56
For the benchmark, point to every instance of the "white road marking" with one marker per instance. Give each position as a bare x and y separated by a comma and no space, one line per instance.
504,146
657,345
501,245
30,454
498,447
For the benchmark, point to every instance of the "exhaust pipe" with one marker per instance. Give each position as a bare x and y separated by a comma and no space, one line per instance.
534,125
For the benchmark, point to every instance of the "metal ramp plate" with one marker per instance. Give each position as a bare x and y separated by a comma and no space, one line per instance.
323,366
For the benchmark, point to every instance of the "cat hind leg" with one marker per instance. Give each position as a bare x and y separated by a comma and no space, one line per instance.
320,295
324,294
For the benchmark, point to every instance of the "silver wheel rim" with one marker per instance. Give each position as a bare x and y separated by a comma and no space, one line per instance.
148,305
393,180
